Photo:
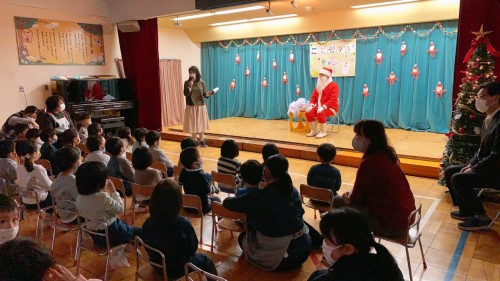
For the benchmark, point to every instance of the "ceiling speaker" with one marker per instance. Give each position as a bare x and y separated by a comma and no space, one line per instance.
129,26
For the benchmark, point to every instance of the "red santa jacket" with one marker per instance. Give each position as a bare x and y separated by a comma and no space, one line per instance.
329,97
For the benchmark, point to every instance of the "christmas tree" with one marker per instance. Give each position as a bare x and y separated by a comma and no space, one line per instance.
466,122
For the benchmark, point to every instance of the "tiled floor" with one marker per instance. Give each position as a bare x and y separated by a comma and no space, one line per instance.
450,253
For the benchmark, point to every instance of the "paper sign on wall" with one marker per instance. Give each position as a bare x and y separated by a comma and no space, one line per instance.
339,55
43,41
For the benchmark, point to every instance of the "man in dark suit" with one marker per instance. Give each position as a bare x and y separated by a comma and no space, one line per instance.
483,170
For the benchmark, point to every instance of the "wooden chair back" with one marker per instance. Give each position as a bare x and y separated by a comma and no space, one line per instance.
46,164
225,182
148,270
160,166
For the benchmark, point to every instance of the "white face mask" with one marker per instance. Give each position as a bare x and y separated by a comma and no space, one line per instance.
8,234
62,106
359,145
54,140
39,141
327,252
481,105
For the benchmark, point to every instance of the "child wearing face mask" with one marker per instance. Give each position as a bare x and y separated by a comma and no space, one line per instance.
48,150
8,166
347,249
194,180
96,144
64,186
34,135
153,141
9,219
84,122
32,176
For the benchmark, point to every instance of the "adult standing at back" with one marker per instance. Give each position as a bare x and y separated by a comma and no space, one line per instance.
381,191
196,115
26,116
324,102
56,117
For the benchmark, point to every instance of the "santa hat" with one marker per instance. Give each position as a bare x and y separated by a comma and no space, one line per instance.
326,71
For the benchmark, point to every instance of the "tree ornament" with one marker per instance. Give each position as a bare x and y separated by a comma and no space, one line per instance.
237,59
365,90
232,85
461,130
403,48
471,116
378,57
285,78
275,65
297,91
247,72
439,90
392,78
258,56
264,83
432,49
414,72
292,57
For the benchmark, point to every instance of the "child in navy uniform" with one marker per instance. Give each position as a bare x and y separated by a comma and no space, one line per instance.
325,175
251,173
194,180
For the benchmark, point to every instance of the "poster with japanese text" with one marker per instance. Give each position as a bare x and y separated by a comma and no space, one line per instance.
339,55
42,41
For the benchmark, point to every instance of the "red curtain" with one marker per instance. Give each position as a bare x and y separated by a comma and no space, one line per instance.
472,14
141,63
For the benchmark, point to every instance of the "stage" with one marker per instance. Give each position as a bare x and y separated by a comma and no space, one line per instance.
419,152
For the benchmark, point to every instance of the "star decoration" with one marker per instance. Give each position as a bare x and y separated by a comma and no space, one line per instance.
480,33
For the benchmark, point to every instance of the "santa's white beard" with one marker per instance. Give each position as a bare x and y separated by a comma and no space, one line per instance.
322,83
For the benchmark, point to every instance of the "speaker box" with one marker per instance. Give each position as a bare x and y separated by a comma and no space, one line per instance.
129,26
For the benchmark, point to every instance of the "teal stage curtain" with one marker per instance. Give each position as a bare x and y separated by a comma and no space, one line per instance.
409,104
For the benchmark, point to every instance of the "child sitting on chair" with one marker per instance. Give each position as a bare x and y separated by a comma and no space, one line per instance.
140,138
32,176
8,166
251,173
99,201
95,129
144,174
48,150
119,167
153,141
125,135
70,138
325,175
96,144
172,233
84,122
194,180
64,186
9,219
228,164
34,135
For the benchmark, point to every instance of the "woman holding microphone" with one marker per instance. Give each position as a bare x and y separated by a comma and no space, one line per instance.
196,115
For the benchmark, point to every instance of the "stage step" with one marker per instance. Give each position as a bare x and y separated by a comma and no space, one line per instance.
426,168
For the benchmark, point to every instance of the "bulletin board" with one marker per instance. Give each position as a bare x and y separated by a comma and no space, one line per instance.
49,42
339,55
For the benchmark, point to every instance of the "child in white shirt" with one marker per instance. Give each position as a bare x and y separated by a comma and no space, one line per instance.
153,141
95,144
125,135
84,122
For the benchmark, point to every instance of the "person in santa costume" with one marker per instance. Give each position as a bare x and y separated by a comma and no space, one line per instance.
324,102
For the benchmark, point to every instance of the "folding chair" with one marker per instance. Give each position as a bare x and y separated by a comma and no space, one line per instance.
147,271
192,208
226,219
68,209
160,166
410,238
46,164
140,193
194,273
335,121
39,211
177,172
128,155
320,199
88,243
118,183
84,149
225,182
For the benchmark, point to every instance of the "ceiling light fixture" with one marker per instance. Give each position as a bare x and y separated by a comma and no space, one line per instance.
224,12
294,4
268,9
253,20
382,4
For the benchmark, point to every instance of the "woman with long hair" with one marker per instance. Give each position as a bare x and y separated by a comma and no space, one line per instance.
277,239
381,191
348,247
172,233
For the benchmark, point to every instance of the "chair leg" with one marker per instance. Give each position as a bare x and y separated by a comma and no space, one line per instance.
78,253
37,224
107,265
422,252
53,238
409,265
77,246
201,231
213,234
493,220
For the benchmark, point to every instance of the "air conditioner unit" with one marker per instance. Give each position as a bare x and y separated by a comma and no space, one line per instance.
129,26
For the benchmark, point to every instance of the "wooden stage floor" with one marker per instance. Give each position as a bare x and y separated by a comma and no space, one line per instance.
416,145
